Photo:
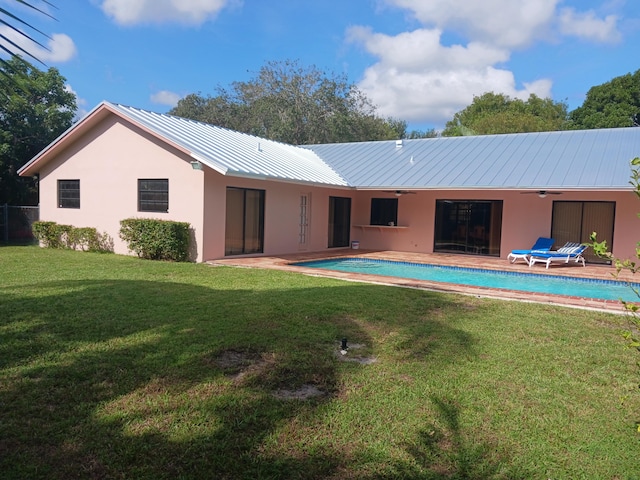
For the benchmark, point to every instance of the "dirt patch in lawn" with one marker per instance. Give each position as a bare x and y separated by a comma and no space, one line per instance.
243,366
239,364
303,392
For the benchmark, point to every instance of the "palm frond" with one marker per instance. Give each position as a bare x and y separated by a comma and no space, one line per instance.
17,47
6,12
30,5
13,49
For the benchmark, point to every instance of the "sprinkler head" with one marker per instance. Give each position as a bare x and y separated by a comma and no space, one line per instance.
343,345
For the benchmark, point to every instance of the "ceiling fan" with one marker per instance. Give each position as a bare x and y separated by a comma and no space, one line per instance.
398,193
542,193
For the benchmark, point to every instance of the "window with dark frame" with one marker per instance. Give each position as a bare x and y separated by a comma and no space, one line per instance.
384,211
69,193
153,195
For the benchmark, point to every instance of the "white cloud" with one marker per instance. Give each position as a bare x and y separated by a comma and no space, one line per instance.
81,103
420,78
165,97
435,96
412,51
190,12
504,23
60,48
586,25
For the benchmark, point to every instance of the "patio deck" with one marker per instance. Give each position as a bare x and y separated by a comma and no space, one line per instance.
604,272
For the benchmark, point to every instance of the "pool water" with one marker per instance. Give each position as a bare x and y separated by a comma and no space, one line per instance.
526,282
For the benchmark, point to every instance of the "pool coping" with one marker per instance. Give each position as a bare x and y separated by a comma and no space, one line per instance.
598,272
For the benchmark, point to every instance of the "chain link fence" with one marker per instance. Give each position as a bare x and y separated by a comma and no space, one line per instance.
15,223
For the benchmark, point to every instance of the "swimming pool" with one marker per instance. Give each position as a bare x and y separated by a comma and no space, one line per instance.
525,282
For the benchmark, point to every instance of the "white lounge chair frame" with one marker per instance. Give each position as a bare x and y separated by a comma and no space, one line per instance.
565,254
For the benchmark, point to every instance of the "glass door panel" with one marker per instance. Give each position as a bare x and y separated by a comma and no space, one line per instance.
339,221
468,226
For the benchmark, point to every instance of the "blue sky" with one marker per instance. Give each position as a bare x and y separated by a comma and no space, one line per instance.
417,60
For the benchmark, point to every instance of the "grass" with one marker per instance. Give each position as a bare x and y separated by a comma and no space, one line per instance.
114,367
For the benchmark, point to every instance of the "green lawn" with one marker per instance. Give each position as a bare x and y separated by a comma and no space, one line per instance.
114,367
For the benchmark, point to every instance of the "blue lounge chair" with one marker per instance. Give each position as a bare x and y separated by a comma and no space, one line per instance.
542,245
570,251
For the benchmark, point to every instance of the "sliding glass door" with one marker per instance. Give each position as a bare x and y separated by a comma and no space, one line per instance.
468,226
339,221
244,226
576,221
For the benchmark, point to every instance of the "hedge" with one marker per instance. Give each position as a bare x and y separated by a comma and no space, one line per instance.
54,235
156,239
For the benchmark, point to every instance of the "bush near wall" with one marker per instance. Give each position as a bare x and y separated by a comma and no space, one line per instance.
54,235
156,239
51,234
88,239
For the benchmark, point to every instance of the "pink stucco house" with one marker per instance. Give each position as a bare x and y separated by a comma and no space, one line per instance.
245,195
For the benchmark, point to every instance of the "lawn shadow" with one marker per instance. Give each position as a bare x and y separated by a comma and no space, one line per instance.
443,450
119,378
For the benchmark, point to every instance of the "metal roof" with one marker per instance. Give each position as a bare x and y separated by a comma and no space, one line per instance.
234,153
574,159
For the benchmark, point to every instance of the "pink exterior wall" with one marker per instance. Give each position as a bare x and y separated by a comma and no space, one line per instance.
627,226
524,219
282,214
527,217
108,161
414,232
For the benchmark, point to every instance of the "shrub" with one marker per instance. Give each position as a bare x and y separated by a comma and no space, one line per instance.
53,235
156,239
79,238
88,239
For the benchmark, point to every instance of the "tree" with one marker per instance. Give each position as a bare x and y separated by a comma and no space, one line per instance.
615,103
35,108
293,104
493,113
431,133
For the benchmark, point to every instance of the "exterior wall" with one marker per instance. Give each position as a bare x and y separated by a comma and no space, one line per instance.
627,224
527,217
282,214
108,161
414,232
524,219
